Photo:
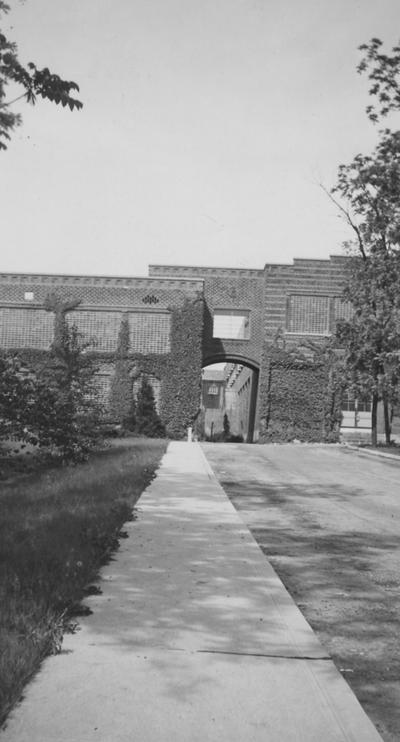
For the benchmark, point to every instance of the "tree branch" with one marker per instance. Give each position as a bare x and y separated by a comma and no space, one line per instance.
349,220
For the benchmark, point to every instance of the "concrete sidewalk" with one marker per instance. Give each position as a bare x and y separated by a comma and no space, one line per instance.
194,638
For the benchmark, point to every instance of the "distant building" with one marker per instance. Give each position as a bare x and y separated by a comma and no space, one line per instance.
213,401
239,393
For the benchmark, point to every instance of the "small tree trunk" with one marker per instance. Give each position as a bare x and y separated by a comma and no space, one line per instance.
388,427
374,418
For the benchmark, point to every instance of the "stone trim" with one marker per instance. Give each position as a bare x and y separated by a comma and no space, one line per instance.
75,280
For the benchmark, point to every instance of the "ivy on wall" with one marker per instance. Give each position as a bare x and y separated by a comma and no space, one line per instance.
179,370
301,396
180,395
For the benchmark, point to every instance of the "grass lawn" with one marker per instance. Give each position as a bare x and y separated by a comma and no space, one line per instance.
57,528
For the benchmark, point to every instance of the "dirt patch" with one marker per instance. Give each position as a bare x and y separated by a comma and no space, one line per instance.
341,568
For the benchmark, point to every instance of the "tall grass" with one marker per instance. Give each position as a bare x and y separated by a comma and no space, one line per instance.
56,529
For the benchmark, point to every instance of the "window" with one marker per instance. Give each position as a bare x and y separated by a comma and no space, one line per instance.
29,296
213,390
308,315
343,310
231,324
356,413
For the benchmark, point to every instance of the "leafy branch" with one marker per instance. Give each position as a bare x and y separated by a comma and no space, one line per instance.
34,82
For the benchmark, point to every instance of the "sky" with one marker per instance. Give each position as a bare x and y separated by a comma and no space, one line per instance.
207,129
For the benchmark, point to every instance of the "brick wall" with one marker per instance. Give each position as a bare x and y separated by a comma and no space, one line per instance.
299,301
317,282
24,322
152,306
229,289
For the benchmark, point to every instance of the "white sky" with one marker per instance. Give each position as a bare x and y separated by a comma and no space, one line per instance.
206,129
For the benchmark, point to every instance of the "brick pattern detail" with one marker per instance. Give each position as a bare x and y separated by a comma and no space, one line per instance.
25,328
312,278
308,315
266,293
148,332
100,329
194,271
239,293
100,291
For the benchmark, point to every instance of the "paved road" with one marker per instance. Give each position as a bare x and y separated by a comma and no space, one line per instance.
328,520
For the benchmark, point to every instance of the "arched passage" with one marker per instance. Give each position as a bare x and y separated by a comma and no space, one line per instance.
237,390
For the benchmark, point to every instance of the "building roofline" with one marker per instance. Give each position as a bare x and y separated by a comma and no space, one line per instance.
201,267
100,276
187,266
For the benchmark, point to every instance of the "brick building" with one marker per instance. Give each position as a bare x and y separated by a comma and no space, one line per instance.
181,319
245,310
238,400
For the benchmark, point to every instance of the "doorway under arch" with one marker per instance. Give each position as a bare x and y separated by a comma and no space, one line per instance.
229,398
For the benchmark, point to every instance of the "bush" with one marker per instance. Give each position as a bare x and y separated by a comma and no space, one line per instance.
122,403
18,388
148,422
53,405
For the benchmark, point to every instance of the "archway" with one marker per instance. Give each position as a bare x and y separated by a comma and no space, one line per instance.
229,398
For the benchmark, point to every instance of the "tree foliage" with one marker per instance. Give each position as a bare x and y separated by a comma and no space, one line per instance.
371,339
147,419
17,396
383,71
122,403
67,412
370,189
226,426
367,193
54,404
32,81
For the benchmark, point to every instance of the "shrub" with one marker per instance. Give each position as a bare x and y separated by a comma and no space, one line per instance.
226,427
147,419
17,394
54,404
122,403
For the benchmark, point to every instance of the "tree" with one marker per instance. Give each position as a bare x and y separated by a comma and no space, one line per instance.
122,403
383,71
147,419
52,402
66,413
34,82
371,338
52,405
17,396
369,199
226,427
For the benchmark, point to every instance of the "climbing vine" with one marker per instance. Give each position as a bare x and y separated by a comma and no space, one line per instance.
179,371
301,397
